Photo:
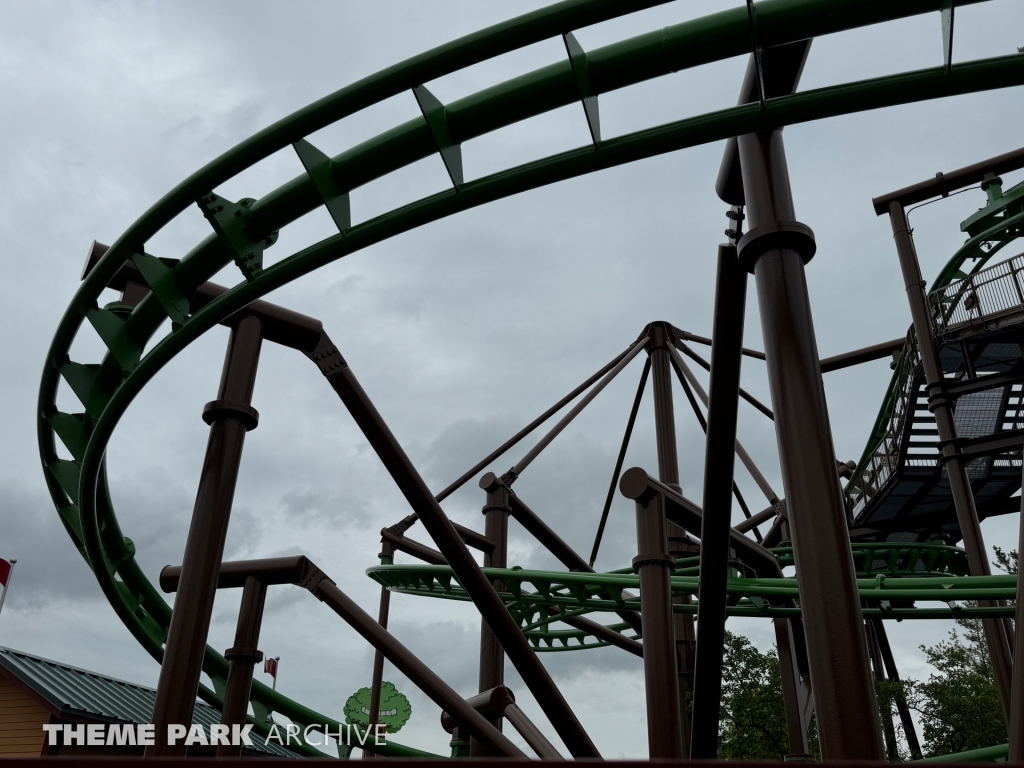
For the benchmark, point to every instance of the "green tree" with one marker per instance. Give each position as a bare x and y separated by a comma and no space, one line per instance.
753,719
959,705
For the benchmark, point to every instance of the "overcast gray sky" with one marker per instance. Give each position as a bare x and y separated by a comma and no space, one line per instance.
461,331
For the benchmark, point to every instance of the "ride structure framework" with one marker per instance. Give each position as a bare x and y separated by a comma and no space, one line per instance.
944,452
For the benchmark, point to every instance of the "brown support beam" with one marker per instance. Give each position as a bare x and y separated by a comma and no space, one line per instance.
229,417
944,183
858,356
892,749
242,657
377,678
654,566
492,657
775,248
678,546
909,729
942,406
423,503
1015,723
720,452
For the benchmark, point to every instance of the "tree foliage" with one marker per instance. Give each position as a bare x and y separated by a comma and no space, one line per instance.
753,719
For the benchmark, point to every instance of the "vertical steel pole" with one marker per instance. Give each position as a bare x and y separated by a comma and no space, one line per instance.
654,566
378,666
678,546
1016,719
243,656
492,657
775,249
720,452
909,730
888,729
942,406
229,417
790,674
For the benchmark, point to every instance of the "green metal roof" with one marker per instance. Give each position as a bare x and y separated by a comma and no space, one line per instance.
81,693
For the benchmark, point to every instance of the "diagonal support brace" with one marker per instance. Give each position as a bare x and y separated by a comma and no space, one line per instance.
321,172
581,69
756,49
436,115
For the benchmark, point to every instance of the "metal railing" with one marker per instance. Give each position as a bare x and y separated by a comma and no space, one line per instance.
979,299
885,460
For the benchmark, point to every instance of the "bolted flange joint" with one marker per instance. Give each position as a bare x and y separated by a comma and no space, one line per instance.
775,234
227,409
244,654
654,559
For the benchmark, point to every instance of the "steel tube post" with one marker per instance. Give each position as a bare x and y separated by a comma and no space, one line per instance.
1015,725
775,248
243,656
888,728
790,674
492,658
378,668
909,730
229,417
942,405
726,356
654,566
341,378
668,473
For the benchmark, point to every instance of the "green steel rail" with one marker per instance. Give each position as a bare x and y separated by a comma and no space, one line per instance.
78,486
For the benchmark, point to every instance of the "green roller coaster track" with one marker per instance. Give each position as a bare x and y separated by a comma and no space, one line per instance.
78,486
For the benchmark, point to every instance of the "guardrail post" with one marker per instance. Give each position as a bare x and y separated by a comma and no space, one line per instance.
230,416
775,249
492,656
942,405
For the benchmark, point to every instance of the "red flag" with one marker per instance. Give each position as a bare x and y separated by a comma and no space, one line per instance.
5,572
270,667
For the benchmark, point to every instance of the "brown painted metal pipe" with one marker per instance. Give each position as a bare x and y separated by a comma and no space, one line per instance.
242,656
230,416
661,334
909,729
499,702
715,539
944,183
233,575
867,354
1015,724
942,406
654,566
492,657
401,469
775,248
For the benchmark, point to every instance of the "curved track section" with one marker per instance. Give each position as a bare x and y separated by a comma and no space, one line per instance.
243,230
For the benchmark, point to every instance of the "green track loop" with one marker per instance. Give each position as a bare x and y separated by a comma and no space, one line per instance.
76,476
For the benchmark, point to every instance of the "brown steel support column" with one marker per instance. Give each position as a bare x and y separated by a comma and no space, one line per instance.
909,729
492,658
378,667
243,656
678,545
341,378
790,674
654,566
1015,725
892,749
942,405
775,248
720,452
229,417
